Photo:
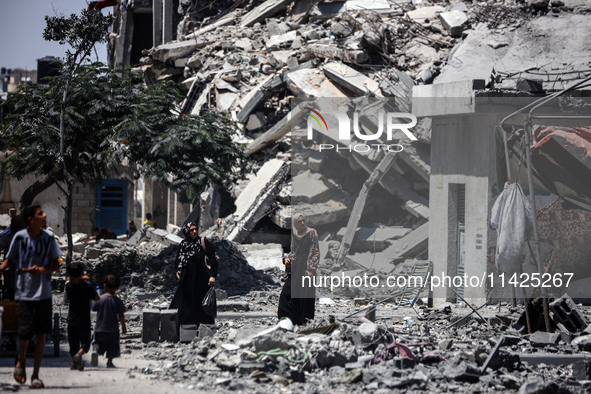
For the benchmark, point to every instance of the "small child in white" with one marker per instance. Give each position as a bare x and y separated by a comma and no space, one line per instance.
110,311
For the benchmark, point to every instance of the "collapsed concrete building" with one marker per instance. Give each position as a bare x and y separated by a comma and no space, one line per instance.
376,213
251,60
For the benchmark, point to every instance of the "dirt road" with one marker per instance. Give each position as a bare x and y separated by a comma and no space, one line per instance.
57,376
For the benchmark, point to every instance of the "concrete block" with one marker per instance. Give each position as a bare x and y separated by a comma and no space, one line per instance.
168,331
281,41
540,338
566,313
150,325
187,332
453,22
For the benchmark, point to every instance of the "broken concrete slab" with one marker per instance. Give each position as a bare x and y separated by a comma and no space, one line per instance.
244,44
411,245
263,256
416,160
310,83
374,177
381,236
263,11
325,212
368,260
300,11
175,50
352,80
326,51
257,95
279,130
364,5
256,198
256,121
396,184
541,339
453,22
425,13
224,21
226,101
163,237
312,187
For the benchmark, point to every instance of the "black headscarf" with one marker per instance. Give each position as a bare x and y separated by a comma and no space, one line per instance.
189,246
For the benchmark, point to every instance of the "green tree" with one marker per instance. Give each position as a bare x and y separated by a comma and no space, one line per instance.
80,125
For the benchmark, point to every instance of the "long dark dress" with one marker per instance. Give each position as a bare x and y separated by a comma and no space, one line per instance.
194,285
296,301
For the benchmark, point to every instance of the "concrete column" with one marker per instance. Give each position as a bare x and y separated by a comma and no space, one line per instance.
157,22
461,154
167,21
122,53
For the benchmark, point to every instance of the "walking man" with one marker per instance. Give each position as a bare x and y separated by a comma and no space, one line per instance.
35,255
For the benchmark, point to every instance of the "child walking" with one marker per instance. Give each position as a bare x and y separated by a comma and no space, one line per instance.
109,312
79,293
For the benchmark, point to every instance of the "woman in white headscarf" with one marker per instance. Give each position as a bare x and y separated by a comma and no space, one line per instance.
298,296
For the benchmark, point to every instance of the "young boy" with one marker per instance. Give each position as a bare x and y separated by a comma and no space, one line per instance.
35,255
109,309
79,292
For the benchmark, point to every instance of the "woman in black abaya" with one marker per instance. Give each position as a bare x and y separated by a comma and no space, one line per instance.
298,295
195,276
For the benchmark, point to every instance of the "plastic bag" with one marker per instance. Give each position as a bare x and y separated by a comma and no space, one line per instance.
511,216
210,306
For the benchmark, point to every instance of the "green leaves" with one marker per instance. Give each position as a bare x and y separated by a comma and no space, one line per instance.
110,118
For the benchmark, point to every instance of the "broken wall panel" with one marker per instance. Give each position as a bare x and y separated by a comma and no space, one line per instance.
256,199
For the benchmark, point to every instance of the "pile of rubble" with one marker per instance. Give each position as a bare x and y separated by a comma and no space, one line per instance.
147,268
445,349
437,351
252,59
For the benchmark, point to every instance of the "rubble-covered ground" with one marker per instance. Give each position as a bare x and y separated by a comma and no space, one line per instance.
419,349
251,66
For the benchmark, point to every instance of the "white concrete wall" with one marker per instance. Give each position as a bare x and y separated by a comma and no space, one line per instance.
51,200
462,152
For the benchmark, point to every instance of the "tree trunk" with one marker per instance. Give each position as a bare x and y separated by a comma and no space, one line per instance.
69,207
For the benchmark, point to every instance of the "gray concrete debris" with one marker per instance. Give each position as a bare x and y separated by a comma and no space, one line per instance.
453,22
352,80
265,10
263,256
255,200
254,60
